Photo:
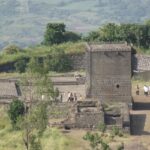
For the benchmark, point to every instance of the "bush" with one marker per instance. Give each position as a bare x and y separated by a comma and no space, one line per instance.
94,139
15,111
71,36
59,62
35,143
20,66
102,127
115,131
121,147
57,92
11,49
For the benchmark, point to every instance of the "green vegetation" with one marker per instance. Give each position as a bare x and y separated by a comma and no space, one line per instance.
15,111
11,49
12,139
136,34
56,33
96,141
20,66
56,56
102,127
42,51
102,140
33,120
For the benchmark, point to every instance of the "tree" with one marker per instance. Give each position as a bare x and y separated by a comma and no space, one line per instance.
71,36
39,117
35,120
35,66
30,133
11,49
136,34
35,143
54,33
93,36
109,33
16,109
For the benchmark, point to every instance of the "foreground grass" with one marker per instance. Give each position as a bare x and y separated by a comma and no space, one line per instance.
52,139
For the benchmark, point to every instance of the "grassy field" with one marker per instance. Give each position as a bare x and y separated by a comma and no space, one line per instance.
53,139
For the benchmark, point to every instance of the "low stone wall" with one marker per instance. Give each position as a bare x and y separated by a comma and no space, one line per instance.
59,110
89,120
139,62
78,61
86,114
143,62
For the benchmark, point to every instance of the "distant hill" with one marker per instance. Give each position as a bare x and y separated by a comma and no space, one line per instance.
23,21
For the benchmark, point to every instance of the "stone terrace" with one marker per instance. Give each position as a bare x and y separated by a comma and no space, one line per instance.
8,91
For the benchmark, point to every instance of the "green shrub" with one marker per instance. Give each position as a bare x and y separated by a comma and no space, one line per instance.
115,130
72,36
59,62
57,92
94,139
35,143
102,127
16,109
120,147
11,49
104,146
20,66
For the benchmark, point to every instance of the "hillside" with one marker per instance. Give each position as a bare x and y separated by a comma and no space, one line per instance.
23,21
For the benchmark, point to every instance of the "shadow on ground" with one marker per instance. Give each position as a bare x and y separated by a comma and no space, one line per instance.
141,106
138,124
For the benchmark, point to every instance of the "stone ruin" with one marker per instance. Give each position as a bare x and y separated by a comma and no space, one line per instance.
90,114
86,114
108,81
108,89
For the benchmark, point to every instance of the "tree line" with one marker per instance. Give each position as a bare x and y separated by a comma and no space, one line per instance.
136,34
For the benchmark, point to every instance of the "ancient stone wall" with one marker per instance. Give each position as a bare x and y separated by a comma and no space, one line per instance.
88,114
78,61
139,62
89,120
142,62
59,110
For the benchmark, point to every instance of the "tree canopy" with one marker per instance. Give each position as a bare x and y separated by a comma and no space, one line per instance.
137,34
56,33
